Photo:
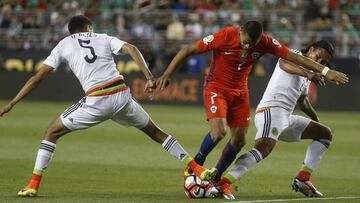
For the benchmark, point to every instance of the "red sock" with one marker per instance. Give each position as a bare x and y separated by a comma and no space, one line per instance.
34,182
303,176
224,181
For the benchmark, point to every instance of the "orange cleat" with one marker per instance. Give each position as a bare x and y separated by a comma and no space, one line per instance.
225,186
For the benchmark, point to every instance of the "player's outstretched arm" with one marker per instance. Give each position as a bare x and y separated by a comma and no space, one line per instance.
180,57
331,75
292,68
305,106
31,84
139,59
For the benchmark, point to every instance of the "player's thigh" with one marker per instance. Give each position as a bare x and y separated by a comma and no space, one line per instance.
316,131
86,113
271,122
238,114
215,103
296,127
132,114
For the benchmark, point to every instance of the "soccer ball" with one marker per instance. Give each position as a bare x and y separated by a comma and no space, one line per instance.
197,188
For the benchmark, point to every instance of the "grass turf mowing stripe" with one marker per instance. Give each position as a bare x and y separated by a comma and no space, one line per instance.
298,199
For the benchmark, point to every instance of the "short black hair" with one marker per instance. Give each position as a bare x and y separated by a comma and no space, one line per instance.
78,24
321,44
253,28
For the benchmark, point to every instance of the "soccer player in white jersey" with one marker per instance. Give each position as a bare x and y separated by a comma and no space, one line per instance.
288,86
89,56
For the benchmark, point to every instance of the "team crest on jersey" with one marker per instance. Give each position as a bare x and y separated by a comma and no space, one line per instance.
255,55
243,54
277,43
274,131
213,109
208,39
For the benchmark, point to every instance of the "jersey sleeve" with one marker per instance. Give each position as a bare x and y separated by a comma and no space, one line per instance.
213,41
275,47
115,44
54,59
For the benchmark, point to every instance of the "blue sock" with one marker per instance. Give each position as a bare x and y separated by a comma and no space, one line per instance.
227,157
206,146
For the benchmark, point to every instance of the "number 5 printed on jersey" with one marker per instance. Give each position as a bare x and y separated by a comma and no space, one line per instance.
87,59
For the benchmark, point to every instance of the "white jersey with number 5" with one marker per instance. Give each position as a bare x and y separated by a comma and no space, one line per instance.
89,56
284,89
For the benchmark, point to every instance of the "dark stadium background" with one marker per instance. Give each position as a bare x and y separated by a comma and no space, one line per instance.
29,29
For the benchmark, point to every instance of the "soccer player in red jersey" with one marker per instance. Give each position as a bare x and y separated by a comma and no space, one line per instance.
225,90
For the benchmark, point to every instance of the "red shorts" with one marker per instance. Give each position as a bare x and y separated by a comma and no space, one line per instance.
220,103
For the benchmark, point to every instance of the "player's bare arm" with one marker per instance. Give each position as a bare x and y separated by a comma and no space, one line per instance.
295,69
31,84
180,57
331,75
139,59
305,105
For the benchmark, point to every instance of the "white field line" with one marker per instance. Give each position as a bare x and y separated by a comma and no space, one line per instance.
296,199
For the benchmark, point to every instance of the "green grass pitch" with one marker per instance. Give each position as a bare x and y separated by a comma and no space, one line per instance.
110,163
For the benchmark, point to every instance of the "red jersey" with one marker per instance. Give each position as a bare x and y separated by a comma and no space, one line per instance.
231,64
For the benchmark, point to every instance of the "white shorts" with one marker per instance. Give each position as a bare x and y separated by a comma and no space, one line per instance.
278,123
92,110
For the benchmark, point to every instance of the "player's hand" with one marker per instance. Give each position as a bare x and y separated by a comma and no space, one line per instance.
5,109
150,86
316,78
162,82
336,77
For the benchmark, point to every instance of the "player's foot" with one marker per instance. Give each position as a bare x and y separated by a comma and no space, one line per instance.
306,187
27,192
31,188
225,187
215,192
187,172
201,172
208,174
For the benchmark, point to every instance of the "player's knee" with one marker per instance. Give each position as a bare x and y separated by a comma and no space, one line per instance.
265,151
239,141
329,134
51,134
218,133
326,133
265,146
238,137
55,131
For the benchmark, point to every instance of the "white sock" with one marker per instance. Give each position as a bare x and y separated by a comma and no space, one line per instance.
44,156
244,163
315,152
172,146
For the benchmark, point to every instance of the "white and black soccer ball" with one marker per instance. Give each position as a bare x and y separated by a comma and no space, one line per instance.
194,187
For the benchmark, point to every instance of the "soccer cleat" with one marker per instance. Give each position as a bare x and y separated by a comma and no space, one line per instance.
208,174
306,187
187,172
27,192
225,187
